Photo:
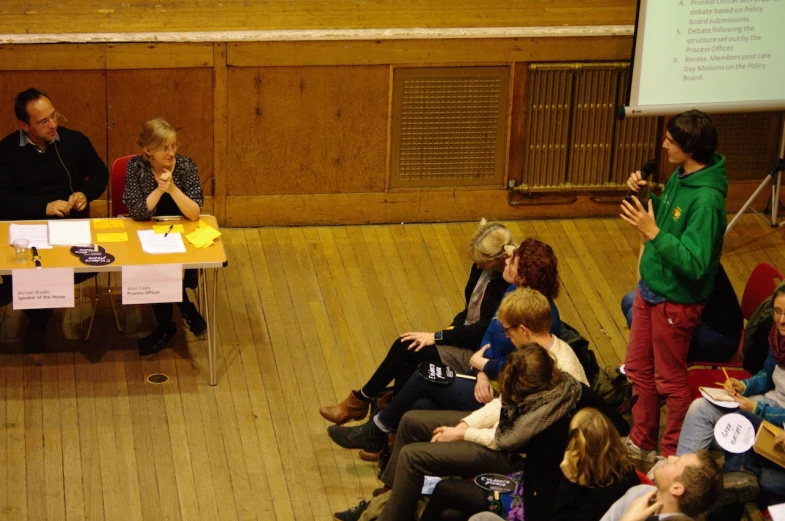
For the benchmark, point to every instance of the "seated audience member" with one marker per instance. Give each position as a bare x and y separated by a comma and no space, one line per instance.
454,344
717,336
596,472
763,394
534,396
159,182
522,306
687,484
46,172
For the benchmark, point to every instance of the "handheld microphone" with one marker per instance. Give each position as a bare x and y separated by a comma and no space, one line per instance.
643,193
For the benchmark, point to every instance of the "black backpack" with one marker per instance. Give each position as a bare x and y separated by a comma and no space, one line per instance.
581,348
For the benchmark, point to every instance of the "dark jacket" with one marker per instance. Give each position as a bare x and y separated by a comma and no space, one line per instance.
470,336
29,179
544,453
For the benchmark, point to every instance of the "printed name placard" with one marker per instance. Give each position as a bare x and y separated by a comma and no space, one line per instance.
152,283
43,288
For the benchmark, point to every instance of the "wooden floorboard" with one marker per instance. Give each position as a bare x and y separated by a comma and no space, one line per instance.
305,315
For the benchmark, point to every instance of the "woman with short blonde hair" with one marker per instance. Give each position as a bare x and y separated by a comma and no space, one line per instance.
159,182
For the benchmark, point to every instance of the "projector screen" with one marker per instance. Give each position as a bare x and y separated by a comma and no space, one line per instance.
712,55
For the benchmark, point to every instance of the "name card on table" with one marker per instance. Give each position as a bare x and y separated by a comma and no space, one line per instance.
152,283
43,288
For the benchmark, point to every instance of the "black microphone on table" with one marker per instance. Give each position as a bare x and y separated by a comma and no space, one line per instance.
643,194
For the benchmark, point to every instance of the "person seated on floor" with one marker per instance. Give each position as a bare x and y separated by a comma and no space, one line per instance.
688,484
535,395
763,394
717,336
46,172
595,473
452,345
524,316
159,181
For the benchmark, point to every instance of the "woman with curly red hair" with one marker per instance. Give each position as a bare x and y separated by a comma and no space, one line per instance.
532,265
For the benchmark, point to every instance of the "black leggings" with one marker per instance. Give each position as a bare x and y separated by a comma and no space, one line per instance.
164,312
455,500
398,365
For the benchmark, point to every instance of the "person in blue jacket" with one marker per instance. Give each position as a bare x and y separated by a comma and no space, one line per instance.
763,394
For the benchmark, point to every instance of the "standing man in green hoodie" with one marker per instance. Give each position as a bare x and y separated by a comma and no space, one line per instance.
683,233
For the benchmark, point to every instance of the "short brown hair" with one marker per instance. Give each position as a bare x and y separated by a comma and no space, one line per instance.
526,306
537,267
601,456
528,370
702,485
488,241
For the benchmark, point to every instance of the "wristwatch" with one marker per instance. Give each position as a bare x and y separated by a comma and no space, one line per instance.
437,337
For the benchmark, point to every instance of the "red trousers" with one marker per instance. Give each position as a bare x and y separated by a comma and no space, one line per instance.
656,363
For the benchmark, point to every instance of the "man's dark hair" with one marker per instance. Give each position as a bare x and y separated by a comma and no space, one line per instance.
702,485
694,132
23,98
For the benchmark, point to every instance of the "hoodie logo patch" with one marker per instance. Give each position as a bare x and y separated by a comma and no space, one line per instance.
676,213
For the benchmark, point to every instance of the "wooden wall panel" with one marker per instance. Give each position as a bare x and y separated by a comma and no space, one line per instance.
431,52
158,55
86,16
79,95
61,57
307,130
183,97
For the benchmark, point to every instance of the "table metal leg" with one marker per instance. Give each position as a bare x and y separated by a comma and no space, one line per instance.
209,317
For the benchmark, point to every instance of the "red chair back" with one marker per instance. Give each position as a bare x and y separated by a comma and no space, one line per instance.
762,283
118,185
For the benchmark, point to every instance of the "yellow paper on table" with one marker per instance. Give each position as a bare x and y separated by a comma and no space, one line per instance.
112,237
106,224
203,236
164,228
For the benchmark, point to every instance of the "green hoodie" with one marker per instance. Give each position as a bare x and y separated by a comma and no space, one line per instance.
680,263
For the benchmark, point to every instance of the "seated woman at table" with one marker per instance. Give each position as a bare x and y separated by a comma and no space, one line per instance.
161,182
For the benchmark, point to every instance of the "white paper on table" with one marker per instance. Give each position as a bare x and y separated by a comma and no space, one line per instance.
70,232
37,234
43,288
152,283
777,512
156,242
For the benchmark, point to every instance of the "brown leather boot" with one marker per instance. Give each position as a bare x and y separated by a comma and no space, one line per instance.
352,408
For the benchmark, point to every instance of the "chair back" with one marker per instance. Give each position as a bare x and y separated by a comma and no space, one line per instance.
642,478
118,186
763,280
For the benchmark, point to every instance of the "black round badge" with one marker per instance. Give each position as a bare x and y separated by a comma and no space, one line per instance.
495,483
97,259
86,250
436,373
92,256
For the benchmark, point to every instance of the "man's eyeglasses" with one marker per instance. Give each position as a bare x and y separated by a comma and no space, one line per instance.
53,118
508,329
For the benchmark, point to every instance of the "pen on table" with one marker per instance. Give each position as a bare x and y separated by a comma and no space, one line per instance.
169,230
36,257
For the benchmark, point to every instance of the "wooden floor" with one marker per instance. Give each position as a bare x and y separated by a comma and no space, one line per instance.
305,314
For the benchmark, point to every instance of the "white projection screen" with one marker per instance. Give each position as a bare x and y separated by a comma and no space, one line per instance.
712,55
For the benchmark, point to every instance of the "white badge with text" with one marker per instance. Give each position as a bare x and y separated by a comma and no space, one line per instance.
152,283
43,288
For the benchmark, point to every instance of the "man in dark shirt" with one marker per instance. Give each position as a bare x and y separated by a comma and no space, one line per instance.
46,172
